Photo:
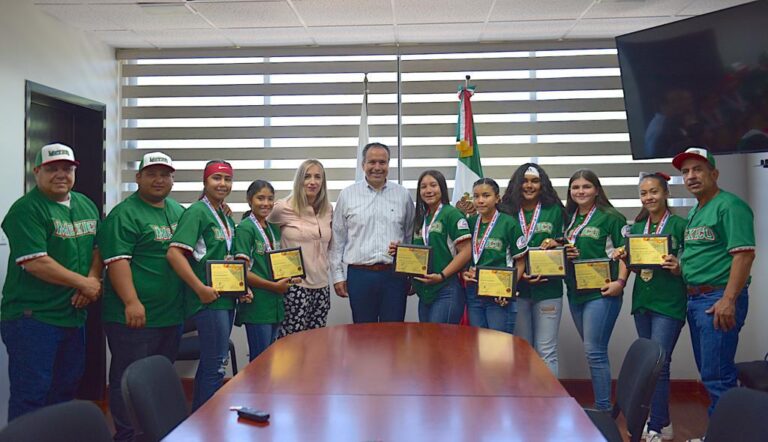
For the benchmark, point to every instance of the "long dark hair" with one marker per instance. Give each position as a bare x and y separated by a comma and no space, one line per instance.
601,201
253,189
663,183
513,196
421,206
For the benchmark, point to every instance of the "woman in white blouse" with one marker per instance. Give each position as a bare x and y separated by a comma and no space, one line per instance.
304,218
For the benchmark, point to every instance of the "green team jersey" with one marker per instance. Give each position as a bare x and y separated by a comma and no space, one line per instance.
550,225
502,247
141,233
200,234
725,225
597,239
37,226
267,307
663,293
445,232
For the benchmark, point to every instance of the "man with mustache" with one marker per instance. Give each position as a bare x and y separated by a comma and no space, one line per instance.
718,250
143,309
368,216
54,270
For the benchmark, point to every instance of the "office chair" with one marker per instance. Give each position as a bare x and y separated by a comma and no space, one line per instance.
154,397
634,390
80,421
189,347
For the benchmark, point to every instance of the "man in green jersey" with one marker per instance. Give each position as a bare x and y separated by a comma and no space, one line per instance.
54,271
718,250
143,309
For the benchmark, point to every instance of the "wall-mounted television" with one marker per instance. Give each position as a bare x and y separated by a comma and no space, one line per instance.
701,81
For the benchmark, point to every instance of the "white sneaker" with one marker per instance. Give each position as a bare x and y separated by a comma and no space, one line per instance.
667,433
653,436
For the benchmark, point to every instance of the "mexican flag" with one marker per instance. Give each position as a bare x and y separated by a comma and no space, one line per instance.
362,137
468,167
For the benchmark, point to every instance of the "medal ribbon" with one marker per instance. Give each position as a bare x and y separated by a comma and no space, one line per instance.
529,230
223,225
425,229
477,249
269,243
659,227
580,227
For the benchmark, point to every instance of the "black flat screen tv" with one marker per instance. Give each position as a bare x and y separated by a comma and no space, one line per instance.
701,81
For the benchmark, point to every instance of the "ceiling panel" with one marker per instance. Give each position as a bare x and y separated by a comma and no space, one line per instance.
704,6
150,17
517,10
646,8
526,30
436,33
345,12
335,35
121,39
598,28
248,15
185,38
83,17
297,36
441,11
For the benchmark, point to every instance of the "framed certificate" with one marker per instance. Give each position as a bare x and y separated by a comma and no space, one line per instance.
591,274
412,260
549,263
227,277
498,282
647,251
286,263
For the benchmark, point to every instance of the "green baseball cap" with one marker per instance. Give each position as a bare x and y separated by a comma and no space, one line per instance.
698,153
55,152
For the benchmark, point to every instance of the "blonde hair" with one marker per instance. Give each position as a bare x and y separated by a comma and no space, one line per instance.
299,198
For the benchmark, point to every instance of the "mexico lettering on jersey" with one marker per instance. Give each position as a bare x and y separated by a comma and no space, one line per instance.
66,229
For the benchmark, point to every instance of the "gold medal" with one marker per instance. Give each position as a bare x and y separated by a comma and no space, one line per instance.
646,274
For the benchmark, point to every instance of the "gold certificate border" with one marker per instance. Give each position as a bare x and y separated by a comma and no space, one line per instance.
241,262
504,269
528,262
411,246
292,249
587,261
645,266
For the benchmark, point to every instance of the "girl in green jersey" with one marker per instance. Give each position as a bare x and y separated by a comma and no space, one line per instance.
254,238
497,241
594,231
531,199
205,233
659,297
443,228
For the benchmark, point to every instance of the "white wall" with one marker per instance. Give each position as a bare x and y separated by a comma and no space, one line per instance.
37,47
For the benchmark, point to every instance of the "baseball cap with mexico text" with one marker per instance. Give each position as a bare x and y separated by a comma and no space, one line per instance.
55,152
698,153
156,159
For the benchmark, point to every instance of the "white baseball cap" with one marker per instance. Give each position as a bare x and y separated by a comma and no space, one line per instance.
156,159
55,152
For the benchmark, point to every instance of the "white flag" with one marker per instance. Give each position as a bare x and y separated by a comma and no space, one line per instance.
362,138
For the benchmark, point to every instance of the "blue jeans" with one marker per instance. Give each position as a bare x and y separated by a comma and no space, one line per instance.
539,323
260,336
128,345
447,307
714,350
665,331
376,296
213,329
594,321
486,313
45,363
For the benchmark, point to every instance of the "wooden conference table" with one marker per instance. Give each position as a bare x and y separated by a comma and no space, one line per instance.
394,382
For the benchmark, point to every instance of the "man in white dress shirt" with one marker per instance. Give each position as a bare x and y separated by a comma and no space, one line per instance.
368,216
